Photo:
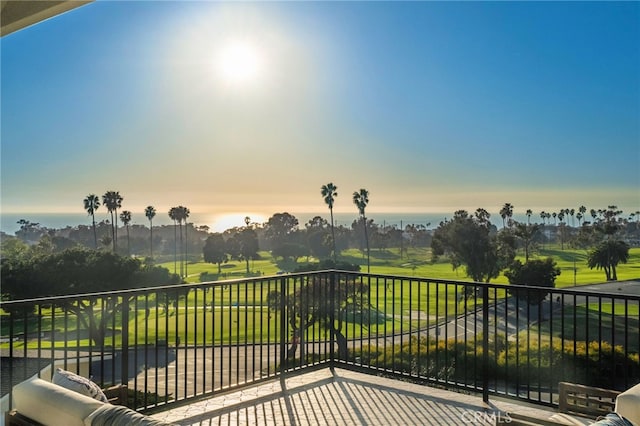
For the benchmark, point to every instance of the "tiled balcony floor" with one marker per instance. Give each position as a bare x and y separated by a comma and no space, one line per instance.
343,397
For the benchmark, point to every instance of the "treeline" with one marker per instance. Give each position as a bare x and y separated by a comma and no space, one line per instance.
469,240
313,235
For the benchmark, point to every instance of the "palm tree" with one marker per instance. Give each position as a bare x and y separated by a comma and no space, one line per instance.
91,204
583,210
173,214
113,201
125,217
361,199
329,194
572,212
529,213
506,212
150,213
607,255
184,215
180,214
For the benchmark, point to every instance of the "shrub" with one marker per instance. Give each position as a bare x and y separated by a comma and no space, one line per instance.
535,363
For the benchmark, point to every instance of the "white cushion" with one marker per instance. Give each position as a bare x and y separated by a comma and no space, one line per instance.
79,384
51,404
628,404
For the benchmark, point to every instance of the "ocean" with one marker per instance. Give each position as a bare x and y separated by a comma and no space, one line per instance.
220,222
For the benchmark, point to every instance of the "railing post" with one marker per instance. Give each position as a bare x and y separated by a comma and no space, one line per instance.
332,317
125,341
283,324
485,343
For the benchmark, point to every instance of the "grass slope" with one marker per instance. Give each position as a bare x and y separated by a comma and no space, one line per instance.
416,262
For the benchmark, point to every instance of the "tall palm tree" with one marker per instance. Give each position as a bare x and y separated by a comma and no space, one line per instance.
181,214
329,194
583,210
91,204
529,213
506,212
113,201
184,215
125,217
361,199
572,213
173,214
150,213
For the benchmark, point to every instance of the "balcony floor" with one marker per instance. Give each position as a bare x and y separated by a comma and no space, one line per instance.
343,397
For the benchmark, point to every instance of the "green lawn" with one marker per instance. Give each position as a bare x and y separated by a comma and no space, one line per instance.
416,262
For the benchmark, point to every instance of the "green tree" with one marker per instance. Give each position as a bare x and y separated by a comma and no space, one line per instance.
242,244
91,204
538,273
361,199
125,217
112,200
311,305
318,237
215,250
607,255
79,271
280,230
150,213
526,234
469,241
329,194
30,232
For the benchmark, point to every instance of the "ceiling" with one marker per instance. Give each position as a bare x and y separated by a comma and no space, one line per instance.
18,14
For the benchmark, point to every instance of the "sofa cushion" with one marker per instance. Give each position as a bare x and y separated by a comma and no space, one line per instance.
116,415
79,384
51,404
612,419
628,404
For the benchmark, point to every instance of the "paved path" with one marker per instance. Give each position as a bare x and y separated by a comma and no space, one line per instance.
631,287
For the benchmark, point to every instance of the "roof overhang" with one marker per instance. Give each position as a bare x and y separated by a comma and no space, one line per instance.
18,14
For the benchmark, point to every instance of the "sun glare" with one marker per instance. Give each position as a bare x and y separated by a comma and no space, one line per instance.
226,221
239,62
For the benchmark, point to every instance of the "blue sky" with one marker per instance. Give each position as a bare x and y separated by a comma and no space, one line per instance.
430,106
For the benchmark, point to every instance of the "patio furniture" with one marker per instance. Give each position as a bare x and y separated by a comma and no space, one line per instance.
39,402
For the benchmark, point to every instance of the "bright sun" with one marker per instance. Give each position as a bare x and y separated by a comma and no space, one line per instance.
239,62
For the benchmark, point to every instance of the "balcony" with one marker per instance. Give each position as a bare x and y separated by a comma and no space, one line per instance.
215,350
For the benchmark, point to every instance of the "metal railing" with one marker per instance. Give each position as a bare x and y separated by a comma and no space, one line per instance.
175,344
